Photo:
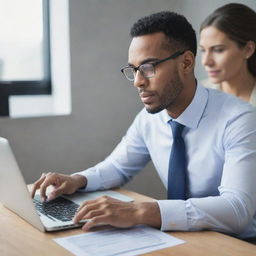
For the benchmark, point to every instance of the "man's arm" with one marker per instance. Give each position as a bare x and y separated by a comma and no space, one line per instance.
127,159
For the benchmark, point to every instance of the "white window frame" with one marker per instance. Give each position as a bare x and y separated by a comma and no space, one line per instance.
59,102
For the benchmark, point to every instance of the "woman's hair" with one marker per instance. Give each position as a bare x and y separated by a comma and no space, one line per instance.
238,22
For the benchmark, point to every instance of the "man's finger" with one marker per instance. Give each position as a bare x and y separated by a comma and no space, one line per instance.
93,213
88,202
48,180
95,221
57,191
84,211
36,185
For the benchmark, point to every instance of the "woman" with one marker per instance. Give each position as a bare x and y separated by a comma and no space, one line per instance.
227,43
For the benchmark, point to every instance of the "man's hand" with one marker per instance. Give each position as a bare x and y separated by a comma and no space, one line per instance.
109,211
62,184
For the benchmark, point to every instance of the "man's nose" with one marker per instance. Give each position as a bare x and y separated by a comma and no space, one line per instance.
139,79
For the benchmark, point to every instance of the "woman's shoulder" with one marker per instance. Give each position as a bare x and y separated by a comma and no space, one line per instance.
253,96
208,84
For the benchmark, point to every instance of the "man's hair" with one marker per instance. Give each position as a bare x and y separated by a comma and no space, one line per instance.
176,28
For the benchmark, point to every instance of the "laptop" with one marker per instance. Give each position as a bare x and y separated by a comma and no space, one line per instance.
50,216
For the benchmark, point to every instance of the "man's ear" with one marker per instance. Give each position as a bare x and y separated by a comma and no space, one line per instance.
188,62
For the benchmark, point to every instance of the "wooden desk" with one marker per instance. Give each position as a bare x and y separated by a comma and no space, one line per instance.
18,238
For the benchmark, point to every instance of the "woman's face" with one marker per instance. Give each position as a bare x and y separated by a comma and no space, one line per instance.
222,58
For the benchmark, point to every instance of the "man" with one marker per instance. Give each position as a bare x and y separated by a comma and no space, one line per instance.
201,141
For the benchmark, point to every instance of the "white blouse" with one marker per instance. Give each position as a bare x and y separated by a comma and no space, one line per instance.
208,84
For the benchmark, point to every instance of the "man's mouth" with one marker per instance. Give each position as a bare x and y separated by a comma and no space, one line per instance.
146,97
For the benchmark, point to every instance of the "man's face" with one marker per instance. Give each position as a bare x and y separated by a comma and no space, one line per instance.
162,90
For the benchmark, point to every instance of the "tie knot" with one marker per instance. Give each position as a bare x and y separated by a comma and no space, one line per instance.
177,129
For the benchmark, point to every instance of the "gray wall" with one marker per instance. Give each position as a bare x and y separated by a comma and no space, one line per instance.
103,102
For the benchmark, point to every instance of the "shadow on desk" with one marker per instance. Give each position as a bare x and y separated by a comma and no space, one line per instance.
251,240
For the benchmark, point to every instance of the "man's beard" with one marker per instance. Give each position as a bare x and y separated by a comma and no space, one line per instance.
171,93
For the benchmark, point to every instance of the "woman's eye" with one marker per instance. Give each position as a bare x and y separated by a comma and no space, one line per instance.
218,50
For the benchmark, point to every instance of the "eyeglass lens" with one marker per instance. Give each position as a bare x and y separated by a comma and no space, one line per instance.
147,70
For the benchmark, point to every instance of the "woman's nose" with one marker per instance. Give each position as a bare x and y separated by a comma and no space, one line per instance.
207,59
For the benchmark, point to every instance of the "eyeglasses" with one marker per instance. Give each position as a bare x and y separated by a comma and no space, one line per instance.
146,69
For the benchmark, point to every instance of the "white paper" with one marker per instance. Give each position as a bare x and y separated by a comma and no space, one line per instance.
125,242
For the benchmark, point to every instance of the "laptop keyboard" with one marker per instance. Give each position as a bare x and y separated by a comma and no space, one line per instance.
59,208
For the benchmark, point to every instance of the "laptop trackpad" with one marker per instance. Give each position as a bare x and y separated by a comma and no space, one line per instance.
80,197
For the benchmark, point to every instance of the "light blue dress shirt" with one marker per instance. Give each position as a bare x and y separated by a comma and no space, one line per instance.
220,138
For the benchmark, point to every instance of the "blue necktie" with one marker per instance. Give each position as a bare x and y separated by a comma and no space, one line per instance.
177,164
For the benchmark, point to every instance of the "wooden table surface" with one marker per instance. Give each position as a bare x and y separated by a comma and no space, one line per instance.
18,238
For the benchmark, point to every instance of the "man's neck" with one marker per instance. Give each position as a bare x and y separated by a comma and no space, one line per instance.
183,100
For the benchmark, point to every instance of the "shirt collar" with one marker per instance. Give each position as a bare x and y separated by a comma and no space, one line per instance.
192,115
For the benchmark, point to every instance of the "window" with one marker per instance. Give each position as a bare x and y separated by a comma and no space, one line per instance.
24,50
47,91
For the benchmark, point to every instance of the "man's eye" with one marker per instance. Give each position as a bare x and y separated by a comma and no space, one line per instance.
146,66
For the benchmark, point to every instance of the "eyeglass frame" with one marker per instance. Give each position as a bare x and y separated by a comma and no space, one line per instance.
153,63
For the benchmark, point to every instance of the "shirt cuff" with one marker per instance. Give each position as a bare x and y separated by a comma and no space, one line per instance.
93,179
173,215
